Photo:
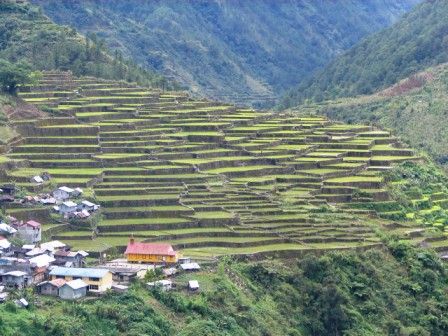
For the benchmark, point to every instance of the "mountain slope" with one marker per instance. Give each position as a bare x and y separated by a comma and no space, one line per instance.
415,108
28,35
235,50
402,291
418,40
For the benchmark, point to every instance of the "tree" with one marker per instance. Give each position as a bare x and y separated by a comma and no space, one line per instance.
12,75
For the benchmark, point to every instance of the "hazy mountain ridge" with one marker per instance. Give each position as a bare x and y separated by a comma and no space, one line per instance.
418,40
230,49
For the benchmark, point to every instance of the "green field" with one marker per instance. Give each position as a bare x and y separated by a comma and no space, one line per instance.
205,173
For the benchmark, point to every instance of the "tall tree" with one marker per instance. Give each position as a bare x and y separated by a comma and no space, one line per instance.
12,75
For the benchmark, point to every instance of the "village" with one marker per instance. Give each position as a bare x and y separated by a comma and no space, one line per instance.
53,269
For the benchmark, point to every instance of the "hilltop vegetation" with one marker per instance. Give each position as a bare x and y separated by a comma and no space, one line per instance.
415,42
396,291
230,50
413,108
26,35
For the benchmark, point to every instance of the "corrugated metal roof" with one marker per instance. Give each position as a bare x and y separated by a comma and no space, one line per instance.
53,244
79,272
57,283
42,260
16,273
66,189
89,204
190,266
5,244
154,249
76,284
33,223
193,284
160,282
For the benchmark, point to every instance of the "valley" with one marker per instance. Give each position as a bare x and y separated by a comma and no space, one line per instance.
141,195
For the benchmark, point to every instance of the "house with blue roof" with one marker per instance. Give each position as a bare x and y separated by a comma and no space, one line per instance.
98,280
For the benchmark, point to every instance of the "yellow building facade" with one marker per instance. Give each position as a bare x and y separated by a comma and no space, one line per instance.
151,253
99,280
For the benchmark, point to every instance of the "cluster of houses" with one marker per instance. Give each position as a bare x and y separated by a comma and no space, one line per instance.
60,199
55,270
30,231
62,203
161,253
30,264
7,192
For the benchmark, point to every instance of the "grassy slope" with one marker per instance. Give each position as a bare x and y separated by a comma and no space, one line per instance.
416,114
206,46
415,42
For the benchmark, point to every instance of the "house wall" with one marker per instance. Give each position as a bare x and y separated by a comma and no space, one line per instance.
49,289
84,207
103,283
30,234
59,194
66,209
151,258
77,261
68,293
10,280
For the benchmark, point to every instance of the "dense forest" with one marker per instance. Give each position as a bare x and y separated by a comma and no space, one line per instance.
231,50
27,36
418,40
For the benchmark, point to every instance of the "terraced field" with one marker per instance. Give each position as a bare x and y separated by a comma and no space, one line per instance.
210,179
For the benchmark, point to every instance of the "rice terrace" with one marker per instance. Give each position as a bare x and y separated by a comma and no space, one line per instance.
210,179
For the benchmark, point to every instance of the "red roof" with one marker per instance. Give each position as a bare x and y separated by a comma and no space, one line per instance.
58,282
33,223
145,248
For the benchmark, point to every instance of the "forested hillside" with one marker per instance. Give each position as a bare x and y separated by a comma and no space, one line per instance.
241,51
29,37
418,40
399,291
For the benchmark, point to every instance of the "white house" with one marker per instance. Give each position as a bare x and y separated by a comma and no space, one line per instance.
190,267
42,260
7,229
78,191
86,205
30,231
193,285
67,207
37,179
73,290
164,285
63,193
5,247
48,200
54,244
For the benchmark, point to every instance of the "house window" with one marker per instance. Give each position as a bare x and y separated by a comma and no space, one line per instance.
94,279
76,278
60,277
94,287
